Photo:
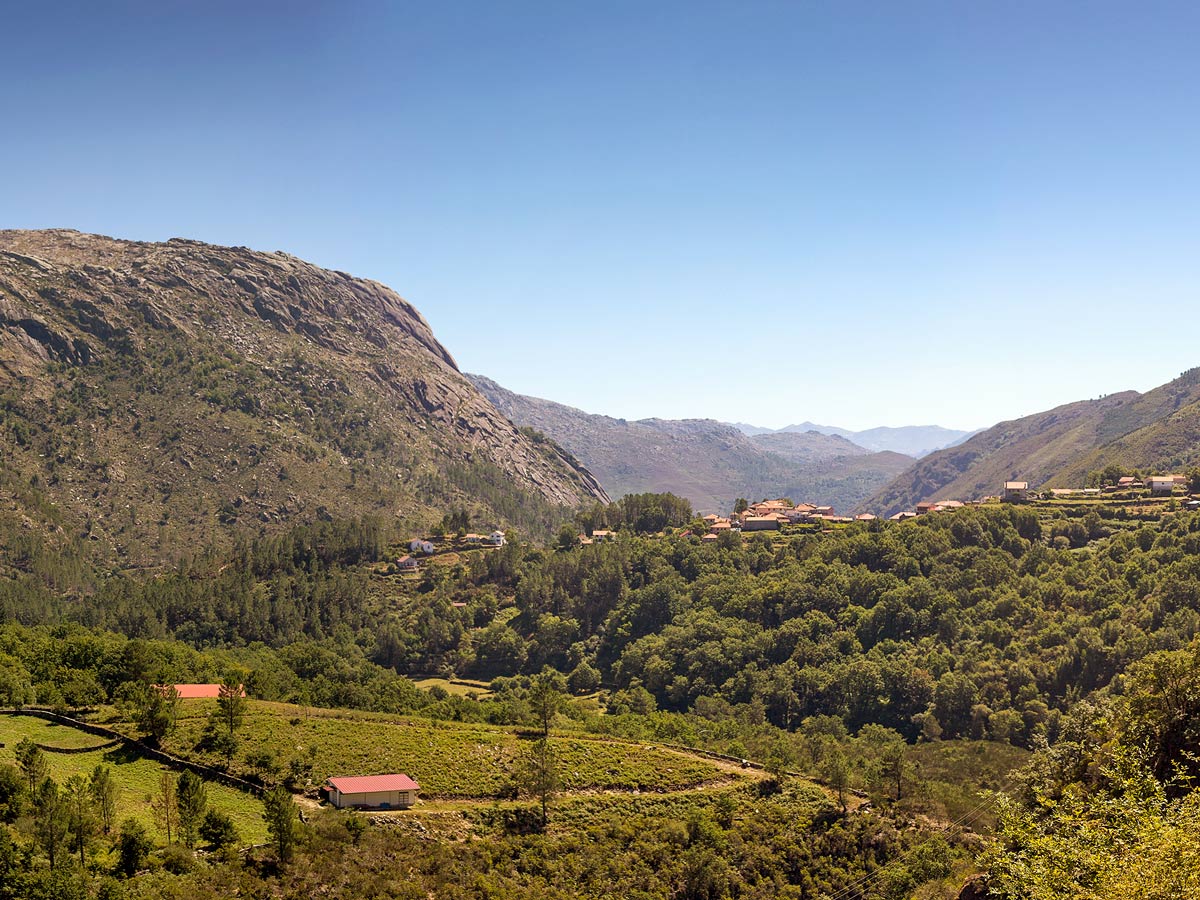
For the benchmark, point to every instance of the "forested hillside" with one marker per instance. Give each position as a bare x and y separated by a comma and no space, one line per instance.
913,661
157,397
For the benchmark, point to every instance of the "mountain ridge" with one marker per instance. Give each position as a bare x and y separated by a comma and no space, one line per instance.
165,395
1059,447
709,462
911,440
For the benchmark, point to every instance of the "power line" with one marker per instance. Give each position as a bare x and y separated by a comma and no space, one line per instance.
861,883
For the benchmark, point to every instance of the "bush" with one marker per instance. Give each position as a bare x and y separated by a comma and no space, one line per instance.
133,847
217,830
177,859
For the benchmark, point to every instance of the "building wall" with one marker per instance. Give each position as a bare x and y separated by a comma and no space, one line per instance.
393,799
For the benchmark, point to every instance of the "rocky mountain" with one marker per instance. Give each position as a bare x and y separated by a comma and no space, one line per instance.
807,446
1159,429
911,440
157,396
708,462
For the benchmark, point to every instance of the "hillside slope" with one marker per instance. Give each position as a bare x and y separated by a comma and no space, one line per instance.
1059,447
911,440
159,396
708,462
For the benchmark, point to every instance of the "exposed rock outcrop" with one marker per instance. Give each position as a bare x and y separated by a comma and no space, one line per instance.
173,378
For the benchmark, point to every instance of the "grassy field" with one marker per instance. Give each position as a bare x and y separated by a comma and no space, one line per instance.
447,759
456,688
137,778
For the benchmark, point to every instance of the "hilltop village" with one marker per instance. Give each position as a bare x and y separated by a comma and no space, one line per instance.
771,515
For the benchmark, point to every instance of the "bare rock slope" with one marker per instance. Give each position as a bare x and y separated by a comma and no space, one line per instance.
156,395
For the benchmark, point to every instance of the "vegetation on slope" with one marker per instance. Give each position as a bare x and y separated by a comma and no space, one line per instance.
708,462
156,397
1058,448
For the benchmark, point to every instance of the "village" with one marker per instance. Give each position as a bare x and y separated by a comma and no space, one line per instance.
773,515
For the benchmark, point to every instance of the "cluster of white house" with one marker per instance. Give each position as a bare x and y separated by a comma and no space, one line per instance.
425,547
770,515
1016,491
773,514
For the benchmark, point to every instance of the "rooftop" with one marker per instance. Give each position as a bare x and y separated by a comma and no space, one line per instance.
367,784
200,691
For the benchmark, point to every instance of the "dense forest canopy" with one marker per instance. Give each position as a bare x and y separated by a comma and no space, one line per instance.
1066,629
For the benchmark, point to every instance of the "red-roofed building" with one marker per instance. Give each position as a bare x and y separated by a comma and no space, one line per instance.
199,691
373,791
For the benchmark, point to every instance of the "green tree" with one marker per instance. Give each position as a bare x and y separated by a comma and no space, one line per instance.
279,811
12,792
546,697
191,798
584,678
836,771
1193,480
538,773
218,829
81,816
567,538
133,847
893,766
32,762
51,819
103,789
155,708
165,806
231,703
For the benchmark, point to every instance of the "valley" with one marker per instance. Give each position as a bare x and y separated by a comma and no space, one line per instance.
269,484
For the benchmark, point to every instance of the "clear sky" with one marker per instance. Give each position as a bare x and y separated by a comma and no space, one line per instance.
855,213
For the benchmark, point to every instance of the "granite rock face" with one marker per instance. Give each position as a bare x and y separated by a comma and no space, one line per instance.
202,386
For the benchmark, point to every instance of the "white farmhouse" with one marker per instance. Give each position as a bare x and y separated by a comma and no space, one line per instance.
373,791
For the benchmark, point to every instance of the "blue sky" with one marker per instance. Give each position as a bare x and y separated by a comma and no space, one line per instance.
854,213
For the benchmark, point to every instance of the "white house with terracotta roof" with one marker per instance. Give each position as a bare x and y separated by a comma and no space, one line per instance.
1161,484
373,791
1016,490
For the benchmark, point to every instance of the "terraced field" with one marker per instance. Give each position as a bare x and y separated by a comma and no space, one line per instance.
137,778
449,760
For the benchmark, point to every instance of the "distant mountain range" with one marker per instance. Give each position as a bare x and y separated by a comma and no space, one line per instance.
708,462
911,440
1159,429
